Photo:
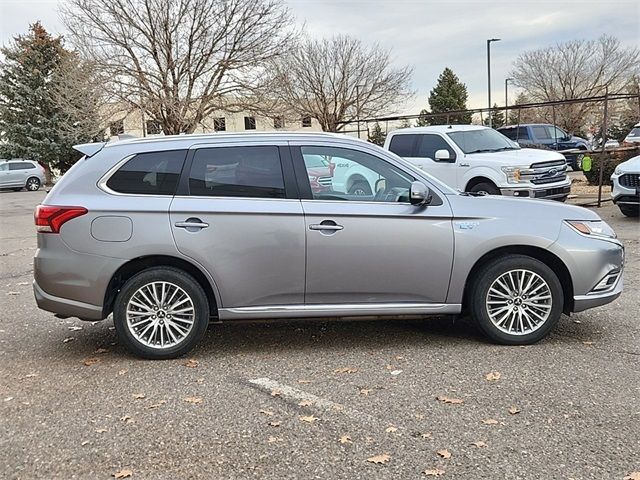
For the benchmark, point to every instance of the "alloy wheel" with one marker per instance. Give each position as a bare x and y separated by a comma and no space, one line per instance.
160,315
519,302
33,184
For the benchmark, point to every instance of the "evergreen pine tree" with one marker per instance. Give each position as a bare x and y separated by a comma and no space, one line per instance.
376,135
32,121
448,95
423,120
405,124
497,117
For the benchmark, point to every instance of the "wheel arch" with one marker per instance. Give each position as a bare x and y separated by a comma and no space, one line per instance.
132,267
546,257
479,179
355,178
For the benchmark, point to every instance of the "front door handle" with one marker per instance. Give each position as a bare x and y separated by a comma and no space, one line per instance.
326,225
464,164
190,223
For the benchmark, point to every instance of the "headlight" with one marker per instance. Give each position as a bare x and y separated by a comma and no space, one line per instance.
512,173
592,228
617,171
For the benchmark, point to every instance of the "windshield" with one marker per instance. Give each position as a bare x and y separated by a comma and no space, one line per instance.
635,132
482,140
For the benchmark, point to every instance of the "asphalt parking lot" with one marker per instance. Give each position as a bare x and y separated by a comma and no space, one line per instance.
316,399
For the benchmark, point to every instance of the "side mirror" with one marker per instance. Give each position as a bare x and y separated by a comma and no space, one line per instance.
443,156
419,194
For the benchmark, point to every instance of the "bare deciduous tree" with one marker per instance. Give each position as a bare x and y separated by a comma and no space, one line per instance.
337,80
179,60
575,69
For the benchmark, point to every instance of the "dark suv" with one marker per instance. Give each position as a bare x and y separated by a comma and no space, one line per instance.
549,136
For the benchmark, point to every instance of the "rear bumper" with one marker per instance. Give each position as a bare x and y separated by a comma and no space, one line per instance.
66,307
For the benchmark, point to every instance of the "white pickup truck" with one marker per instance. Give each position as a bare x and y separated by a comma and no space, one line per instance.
472,158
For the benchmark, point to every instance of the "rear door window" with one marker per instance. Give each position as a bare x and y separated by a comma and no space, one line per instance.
541,132
237,172
403,145
152,173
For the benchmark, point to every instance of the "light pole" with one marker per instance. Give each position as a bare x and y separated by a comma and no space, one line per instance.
358,107
489,73
506,98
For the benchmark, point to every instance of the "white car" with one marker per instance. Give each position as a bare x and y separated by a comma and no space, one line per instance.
626,187
633,138
18,174
477,159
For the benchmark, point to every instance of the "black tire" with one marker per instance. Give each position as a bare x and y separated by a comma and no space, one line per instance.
478,297
630,210
485,187
185,282
360,188
32,184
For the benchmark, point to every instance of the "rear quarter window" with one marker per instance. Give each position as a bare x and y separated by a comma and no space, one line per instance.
151,173
403,145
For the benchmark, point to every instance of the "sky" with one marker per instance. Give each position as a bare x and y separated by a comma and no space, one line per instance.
428,35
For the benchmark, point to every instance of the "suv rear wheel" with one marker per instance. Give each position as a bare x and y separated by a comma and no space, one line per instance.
516,300
161,313
32,184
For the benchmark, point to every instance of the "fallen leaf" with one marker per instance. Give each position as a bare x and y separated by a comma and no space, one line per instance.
337,408
419,416
304,381
276,393
365,391
86,442
8,399
139,396
200,381
31,375
396,372
122,474
101,430
305,403
308,419
588,343
379,459
267,412
368,440
74,328
91,361
127,419
391,429
13,293
194,400
101,350
345,370
490,421
455,401
433,472
272,439
123,371
274,424
513,410
22,283
480,444
156,405
426,435
444,453
345,439
633,476
191,363
68,339
577,321
493,376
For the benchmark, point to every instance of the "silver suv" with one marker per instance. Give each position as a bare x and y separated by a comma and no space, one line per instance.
18,174
169,233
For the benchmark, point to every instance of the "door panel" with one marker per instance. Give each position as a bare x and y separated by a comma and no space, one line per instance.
426,148
383,253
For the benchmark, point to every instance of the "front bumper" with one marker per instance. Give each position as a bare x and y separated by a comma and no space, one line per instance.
584,302
622,194
547,191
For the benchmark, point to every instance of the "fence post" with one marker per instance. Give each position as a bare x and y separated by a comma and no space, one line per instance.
604,141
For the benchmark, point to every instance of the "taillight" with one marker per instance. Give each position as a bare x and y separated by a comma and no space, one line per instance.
49,218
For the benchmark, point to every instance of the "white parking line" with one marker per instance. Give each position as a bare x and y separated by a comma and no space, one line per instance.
290,393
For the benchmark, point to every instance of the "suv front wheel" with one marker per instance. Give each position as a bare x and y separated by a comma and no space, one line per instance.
161,313
516,300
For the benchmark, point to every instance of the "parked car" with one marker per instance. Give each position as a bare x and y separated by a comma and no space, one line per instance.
476,159
626,187
18,174
549,136
320,172
633,137
167,252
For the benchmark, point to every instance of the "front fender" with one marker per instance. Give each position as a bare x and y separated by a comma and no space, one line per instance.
497,178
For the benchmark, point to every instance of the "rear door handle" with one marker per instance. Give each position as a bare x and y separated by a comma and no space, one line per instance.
192,223
320,226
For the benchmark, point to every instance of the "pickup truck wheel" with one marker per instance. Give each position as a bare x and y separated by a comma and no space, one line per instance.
486,188
360,188
630,210
161,313
516,300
